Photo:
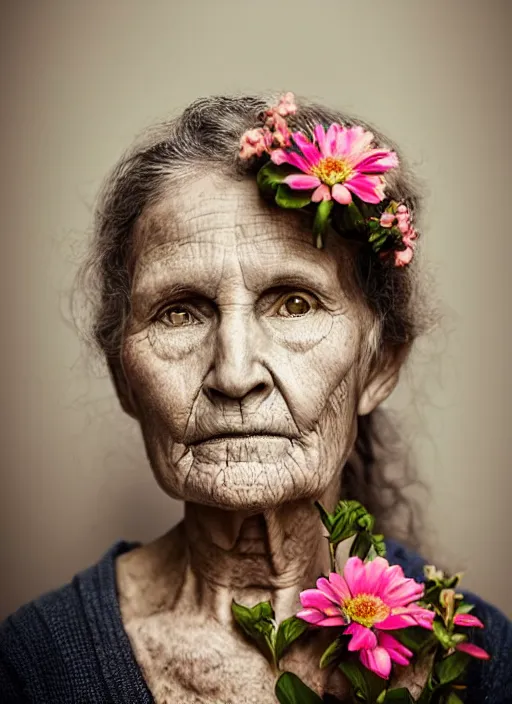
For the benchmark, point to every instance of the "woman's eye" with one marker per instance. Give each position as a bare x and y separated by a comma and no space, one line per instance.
176,317
295,305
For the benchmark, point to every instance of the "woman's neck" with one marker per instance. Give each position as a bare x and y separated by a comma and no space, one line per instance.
272,555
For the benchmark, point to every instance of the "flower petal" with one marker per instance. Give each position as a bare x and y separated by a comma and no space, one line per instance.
362,637
309,150
323,192
392,622
467,620
333,621
326,588
319,133
331,139
403,256
339,586
368,188
302,181
352,572
473,650
372,574
341,194
282,156
310,615
377,660
397,651
403,593
376,161
354,142
314,599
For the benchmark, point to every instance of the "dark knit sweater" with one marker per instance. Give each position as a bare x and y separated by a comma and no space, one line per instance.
69,647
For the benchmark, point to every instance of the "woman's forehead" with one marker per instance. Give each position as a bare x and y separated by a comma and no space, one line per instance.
216,225
216,208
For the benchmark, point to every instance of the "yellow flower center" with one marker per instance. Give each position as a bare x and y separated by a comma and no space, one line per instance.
366,609
331,170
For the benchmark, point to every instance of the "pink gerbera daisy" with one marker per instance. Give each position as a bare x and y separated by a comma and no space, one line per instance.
337,164
373,598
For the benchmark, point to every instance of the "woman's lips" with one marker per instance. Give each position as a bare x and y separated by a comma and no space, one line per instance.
238,436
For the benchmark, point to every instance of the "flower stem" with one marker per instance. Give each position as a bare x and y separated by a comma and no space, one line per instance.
332,556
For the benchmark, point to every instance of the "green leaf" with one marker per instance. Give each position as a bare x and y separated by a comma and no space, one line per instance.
379,544
258,623
287,197
270,176
400,696
331,653
377,234
464,608
354,215
345,522
288,632
361,545
415,638
452,698
441,634
452,667
291,690
366,684
326,518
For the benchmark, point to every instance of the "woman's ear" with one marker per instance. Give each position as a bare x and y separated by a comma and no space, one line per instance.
123,391
383,379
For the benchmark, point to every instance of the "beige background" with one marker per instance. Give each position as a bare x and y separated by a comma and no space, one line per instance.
79,79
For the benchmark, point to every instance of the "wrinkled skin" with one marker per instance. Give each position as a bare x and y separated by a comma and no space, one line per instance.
240,328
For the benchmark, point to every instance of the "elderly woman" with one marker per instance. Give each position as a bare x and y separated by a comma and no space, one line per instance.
257,298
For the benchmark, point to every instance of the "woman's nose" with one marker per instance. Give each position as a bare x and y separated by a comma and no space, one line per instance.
238,372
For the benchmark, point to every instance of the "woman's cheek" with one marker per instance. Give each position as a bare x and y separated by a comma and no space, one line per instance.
175,344
298,334
165,378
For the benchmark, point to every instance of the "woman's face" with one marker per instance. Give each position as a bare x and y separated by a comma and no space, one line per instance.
242,348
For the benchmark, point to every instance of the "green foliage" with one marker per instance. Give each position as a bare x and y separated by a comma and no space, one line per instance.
452,698
350,518
288,632
398,696
270,176
258,623
321,220
416,638
442,634
451,668
333,651
366,685
287,197
291,690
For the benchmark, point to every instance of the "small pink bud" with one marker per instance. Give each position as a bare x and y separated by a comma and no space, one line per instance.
387,219
473,650
467,620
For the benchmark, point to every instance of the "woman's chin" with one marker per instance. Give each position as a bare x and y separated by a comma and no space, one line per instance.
242,474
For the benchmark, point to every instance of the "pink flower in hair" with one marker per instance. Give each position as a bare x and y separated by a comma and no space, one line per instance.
254,142
337,164
401,219
374,598
286,105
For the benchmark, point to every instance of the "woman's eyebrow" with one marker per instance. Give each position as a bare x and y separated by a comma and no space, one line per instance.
303,280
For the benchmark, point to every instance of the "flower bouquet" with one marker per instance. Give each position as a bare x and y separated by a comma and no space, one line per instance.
381,622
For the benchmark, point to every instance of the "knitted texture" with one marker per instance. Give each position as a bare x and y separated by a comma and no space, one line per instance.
69,646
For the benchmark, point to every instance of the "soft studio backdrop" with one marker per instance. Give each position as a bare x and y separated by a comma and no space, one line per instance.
80,79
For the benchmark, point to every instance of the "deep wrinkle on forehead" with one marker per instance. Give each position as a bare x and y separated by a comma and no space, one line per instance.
185,248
